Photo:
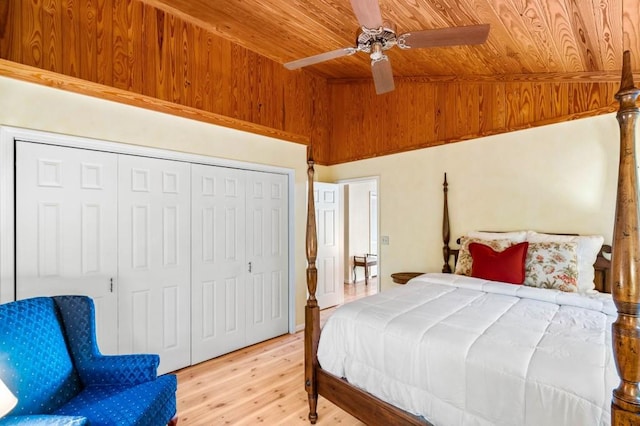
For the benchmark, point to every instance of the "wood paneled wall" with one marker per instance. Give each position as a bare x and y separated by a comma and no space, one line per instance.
130,51
421,114
129,45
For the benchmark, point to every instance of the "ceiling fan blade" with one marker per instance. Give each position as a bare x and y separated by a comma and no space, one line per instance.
472,34
382,76
367,12
338,53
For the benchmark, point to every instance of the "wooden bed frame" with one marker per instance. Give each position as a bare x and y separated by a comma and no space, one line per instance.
624,281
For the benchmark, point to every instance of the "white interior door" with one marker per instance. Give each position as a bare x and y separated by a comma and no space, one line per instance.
154,259
218,261
66,228
330,290
268,256
373,229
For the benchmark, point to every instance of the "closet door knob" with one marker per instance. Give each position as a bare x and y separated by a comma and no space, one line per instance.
249,266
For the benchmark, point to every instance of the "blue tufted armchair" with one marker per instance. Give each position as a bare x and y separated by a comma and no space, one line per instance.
50,360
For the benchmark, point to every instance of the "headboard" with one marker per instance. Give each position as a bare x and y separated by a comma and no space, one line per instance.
602,265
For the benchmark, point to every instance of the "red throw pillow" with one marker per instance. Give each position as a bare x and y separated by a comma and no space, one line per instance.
506,266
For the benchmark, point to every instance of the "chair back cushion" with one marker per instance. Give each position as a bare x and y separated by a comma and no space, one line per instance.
78,322
34,361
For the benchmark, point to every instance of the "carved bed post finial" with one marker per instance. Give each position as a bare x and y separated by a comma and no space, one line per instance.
446,233
312,311
625,260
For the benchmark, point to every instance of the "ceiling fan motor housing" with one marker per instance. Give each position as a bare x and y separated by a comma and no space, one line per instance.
376,40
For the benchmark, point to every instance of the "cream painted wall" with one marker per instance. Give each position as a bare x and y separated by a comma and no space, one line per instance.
557,178
42,108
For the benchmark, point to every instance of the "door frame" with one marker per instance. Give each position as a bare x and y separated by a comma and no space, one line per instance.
8,136
345,226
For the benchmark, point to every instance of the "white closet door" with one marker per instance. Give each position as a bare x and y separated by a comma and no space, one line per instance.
66,227
330,290
218,261
267,254
154,259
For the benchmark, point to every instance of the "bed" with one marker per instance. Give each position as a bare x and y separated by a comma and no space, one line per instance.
575,357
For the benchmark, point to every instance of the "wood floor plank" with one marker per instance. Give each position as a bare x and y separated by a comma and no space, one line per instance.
261,384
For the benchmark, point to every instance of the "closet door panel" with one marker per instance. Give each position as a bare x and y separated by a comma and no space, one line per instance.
268,254
154,259
66,226
218,261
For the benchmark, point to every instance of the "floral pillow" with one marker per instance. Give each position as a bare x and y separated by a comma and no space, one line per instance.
552,265
463,265
588,247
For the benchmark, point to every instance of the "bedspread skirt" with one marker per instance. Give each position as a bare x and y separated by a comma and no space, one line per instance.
463,351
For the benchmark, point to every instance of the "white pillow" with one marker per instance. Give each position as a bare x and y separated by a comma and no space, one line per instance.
588,248
516,237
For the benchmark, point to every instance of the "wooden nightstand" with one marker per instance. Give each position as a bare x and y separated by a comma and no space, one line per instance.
403,277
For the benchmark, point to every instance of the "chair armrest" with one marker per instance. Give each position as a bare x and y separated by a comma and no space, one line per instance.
119,369
44,420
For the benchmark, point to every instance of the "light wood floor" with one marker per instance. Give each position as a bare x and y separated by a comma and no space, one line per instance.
261,384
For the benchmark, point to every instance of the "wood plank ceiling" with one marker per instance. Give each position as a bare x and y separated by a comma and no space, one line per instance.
535,36
221,61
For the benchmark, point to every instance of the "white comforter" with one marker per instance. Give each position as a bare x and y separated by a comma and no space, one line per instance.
464,351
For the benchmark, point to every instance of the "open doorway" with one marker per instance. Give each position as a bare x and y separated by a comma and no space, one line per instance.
361,246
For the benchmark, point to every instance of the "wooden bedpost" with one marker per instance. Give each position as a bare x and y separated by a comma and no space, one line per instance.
625,261
446,233
312,311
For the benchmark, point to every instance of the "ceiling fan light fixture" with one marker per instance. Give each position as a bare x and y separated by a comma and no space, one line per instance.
376,53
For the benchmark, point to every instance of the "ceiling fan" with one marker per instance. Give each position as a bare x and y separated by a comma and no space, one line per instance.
376,36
